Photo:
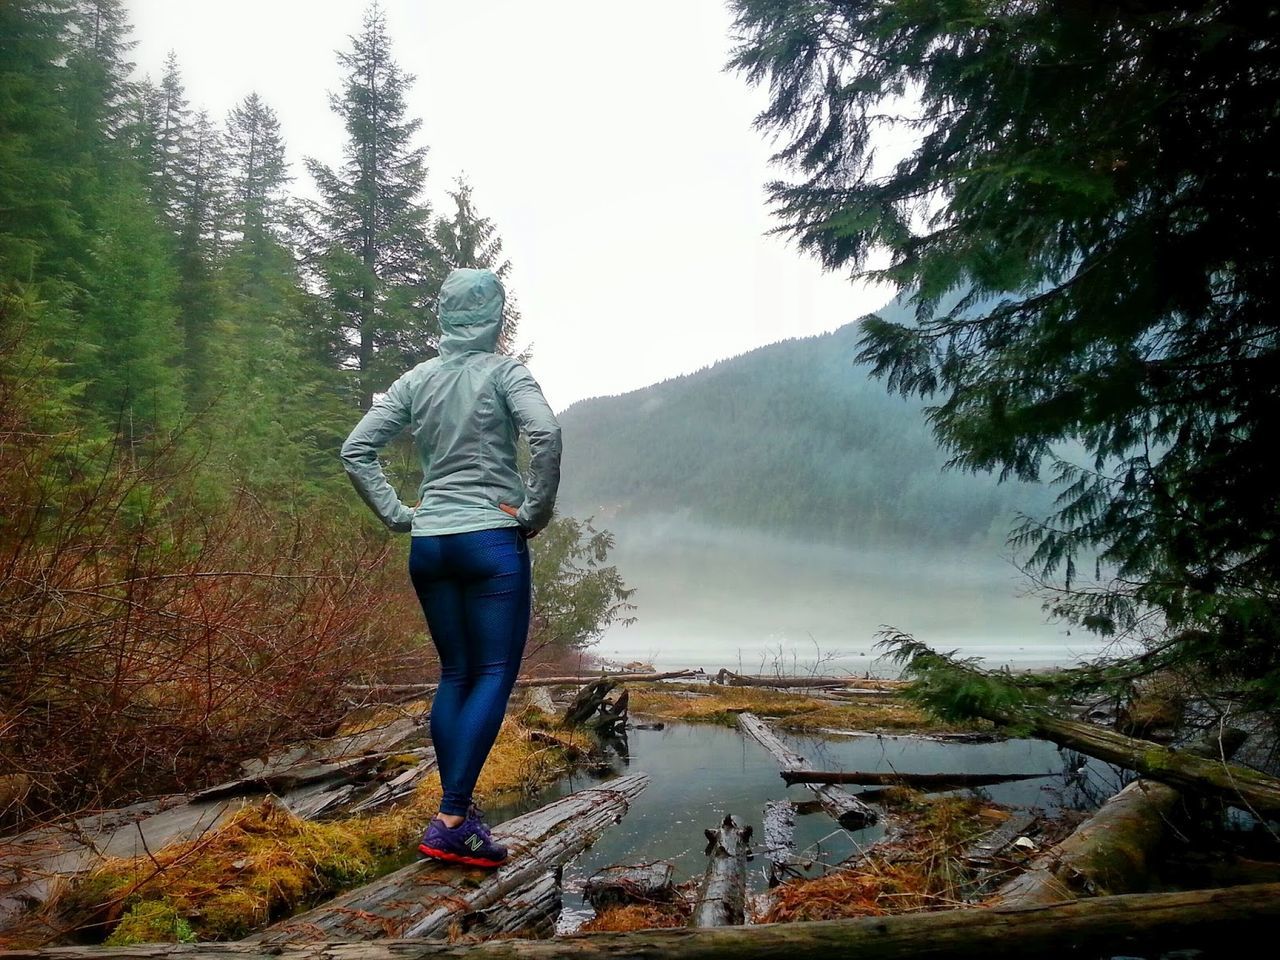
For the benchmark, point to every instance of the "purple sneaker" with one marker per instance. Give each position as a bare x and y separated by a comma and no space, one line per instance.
468,842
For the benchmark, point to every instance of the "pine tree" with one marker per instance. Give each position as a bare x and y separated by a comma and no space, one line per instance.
99,84
258,172
468,239
370,232
1084,229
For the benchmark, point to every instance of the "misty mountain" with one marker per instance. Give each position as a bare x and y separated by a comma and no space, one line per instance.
791,439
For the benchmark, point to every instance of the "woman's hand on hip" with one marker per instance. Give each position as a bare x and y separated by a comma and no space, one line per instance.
509,509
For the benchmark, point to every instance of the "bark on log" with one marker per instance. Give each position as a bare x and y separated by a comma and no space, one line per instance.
847,809
424,898
931,781
1146,923
623,884
1109,852
588,702
722,895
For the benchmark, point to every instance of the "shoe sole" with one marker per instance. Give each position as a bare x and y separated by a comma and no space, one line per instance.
458,858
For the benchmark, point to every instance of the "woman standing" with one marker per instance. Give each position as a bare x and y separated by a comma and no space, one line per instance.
469,561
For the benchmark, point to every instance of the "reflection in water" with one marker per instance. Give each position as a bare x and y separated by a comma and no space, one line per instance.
701,772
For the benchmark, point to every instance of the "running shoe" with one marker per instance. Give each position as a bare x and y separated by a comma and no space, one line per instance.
469,842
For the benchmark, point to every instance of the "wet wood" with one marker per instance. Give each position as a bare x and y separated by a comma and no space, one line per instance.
529,911
1111,852
780,841
1231,783
623,884
588,702
929,781
729,678
426,897
310,779
578,680
1141,923
722,895
847,809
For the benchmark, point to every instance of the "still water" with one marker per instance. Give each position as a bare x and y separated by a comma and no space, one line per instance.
698,773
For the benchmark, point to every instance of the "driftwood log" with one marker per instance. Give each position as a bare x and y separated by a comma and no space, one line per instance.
1146,923
592,709
310,779
722,895
623,884
1231,783
927,781
425,898
423,688
847,809
780,842
1110,852
729,678
531,910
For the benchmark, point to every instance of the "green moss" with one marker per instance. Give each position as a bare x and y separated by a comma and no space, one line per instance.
151,921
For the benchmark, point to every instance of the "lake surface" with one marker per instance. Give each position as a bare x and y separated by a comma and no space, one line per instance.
711,597
700,772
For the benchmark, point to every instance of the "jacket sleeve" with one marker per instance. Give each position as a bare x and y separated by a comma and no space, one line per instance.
533,416
386,418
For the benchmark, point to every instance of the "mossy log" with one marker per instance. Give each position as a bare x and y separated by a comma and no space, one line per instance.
1231,783
1110,852
722,895
924,781
1144,923
847,809
310,779
425,898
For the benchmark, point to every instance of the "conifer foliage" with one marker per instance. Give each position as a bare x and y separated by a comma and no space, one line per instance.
1082,221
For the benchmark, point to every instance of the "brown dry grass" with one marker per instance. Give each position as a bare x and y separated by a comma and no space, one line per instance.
795,711
921,871
638,916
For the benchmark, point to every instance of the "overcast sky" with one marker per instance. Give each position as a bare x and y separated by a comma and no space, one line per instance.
613,152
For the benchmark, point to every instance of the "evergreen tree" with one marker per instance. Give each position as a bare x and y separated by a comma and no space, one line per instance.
370,236
468,239
99,84
1084,228
258,172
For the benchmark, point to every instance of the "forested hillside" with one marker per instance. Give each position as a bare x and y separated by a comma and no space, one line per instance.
186,335
792,439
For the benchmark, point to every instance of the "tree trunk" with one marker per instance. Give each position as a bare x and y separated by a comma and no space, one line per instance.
780,841
732,679
1109,852
1238,786
426,897
722,895
619,885
847,809
1144,923
925,781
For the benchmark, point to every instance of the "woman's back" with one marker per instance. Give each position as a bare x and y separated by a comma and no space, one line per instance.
466,409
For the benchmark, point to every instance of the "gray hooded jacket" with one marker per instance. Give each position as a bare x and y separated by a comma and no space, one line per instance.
466,408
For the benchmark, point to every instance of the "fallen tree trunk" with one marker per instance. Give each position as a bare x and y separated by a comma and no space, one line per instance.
847,809
729,678
1148,923
309,779
722,895
623,884
931,781
1109,852
530,911
526,681
780,841
1231,783
426,897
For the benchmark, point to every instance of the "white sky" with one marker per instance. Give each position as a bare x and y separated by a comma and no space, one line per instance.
616,157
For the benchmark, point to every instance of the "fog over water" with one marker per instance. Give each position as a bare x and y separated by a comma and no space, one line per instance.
711,597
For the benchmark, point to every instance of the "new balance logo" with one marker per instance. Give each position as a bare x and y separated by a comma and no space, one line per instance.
474,841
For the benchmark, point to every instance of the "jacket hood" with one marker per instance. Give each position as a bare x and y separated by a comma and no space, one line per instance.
471,304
